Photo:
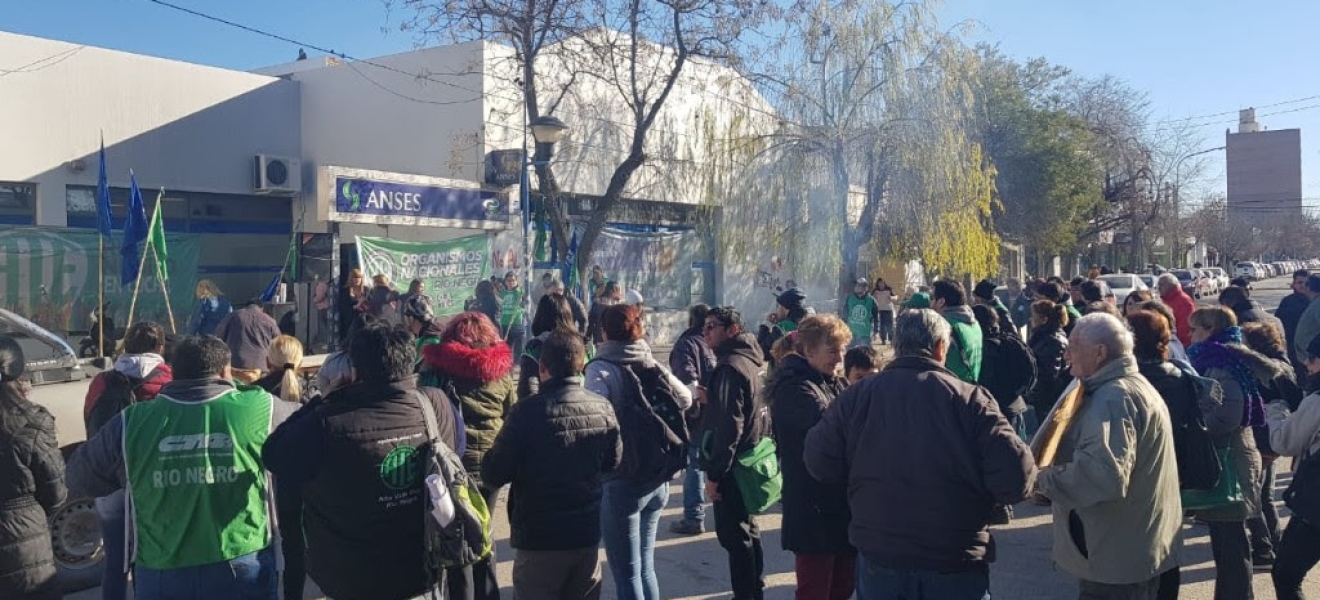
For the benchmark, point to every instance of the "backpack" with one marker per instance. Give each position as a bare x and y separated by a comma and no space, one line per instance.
1199,466
653,427
466,539
120,391
1008,367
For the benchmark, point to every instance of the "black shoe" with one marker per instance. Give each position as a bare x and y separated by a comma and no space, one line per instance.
1263,562
1001,515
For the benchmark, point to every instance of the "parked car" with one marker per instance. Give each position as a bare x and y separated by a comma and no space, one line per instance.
1250,270
1192,282
1123,284
1221,278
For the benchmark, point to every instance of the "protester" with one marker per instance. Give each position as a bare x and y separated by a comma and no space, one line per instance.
226,551
1217,353
552,314
1289,314
1055,292
790,309
138,375
1308,325
352,302
859,363
1245,309
321,302
416,289
1103,308
609,295
1135,298
545,286
1182,305
1117,510
916,412
248,333
731,424
1075,290
473,366
511,315
1177,352
31,484
862,313
884,302
420,321
983,294
1267,339
691,360
382,301
596,284
964,351
917,300
1008,368
356,457
555,448
579,313
815,526
1049,347
212,307
283,360
1097,291
1297,433
1019,302
630,509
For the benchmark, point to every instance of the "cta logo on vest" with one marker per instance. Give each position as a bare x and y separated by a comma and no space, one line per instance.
185,443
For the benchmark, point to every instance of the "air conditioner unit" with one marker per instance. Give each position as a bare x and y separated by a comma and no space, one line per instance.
277,175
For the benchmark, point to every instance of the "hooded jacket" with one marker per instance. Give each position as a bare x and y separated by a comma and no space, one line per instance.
816,514
602,373
478,380
732,421
136,366
933,517
1226,430
1114,485
1048,346
964,355
31,486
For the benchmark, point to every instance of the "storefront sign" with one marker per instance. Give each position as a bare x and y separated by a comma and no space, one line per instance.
504,167
451,269
412,200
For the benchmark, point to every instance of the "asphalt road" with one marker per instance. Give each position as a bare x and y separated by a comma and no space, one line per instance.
695,568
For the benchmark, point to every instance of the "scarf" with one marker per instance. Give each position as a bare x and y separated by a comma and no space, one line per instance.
1215,353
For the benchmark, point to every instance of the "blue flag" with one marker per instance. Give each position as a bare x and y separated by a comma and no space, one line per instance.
269,294
103,223
135,232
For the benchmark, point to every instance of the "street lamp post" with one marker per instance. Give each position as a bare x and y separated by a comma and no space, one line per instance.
546,131
1177,195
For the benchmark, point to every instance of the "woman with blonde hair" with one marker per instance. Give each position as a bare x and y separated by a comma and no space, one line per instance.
352,301
816,515
283,359
212,307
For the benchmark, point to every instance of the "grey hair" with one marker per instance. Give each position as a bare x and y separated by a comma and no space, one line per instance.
335,372
1106,330
918,331
1167,279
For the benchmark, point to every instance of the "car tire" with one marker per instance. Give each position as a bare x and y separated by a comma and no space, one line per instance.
75,532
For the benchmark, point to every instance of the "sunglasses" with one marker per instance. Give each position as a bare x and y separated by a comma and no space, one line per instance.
710,326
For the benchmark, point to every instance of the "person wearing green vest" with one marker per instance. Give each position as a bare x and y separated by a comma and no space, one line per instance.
193,455
862,314
964,355
419,320
511,313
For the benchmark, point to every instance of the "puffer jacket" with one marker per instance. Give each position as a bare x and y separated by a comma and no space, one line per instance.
554,450
691,361
816,514
1048,346
479,380
1226,430
31,486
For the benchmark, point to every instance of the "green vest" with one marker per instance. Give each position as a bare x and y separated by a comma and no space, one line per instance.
511,309
196,469
787,326
964,359
861,316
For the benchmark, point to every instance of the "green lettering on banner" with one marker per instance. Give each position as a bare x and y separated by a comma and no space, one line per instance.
49,275
451,269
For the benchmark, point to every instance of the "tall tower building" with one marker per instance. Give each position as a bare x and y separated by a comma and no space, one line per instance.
1264,172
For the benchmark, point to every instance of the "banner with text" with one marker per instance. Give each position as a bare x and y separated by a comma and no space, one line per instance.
451,269
49,276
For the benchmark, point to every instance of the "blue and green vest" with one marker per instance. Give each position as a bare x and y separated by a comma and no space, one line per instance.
195,467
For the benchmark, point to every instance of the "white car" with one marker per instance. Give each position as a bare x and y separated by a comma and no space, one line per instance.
1250,270
1221,279
1123,284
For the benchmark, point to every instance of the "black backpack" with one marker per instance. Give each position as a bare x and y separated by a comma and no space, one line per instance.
1008,367
1198,461
120,391
655,434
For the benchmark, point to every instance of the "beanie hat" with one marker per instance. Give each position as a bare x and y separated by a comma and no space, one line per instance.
918,300
984,290
791,299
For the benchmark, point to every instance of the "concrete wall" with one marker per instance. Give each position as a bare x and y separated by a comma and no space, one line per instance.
1265,174
178,125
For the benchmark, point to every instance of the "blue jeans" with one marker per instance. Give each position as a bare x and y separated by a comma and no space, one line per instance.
878,583
694,489
110,511
628,521
248,577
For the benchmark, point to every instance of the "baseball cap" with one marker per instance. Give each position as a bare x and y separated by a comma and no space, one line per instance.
862,281
918,300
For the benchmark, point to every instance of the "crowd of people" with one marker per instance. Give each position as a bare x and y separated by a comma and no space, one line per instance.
1125,418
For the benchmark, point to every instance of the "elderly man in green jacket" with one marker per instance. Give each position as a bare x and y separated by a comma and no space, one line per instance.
1112,478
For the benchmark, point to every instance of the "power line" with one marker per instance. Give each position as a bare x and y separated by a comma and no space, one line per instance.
1234,112
58,58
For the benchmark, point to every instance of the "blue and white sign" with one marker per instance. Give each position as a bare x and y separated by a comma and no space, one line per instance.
414,200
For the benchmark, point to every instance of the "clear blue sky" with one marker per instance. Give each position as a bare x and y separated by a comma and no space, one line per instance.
1193,57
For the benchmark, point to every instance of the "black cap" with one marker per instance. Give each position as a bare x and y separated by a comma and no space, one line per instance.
792,298
984,290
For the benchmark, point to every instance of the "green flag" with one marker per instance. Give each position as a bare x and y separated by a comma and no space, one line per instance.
156,235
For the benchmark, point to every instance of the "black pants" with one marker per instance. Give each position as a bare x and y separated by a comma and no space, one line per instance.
1297,553
476,582
1232,554
289,508
1145,590
741,538
1265,528
1170,581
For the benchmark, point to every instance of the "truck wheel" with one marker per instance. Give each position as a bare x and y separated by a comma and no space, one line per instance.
75,533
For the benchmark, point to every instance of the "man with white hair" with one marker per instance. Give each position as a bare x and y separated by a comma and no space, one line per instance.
926,457
1172,294
1107,463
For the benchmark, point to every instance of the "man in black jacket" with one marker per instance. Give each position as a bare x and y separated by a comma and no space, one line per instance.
555,447
920,528
357,456
1290,313
732,423
691,361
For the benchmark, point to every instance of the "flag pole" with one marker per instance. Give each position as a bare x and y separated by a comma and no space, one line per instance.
137,284
164,288
100,300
